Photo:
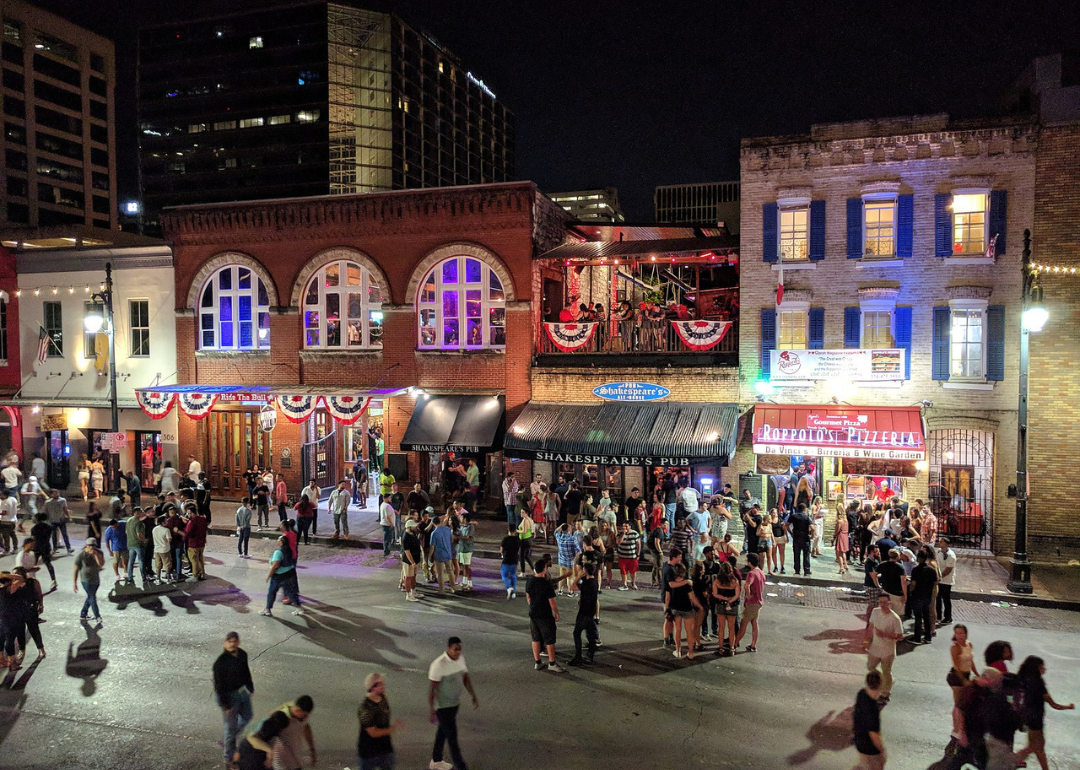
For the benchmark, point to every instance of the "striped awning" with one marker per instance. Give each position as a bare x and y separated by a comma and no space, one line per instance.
671,433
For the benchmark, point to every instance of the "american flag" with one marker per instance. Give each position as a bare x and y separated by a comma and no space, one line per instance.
991,250
43,345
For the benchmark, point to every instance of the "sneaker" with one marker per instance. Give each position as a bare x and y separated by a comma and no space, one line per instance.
298,611
538,666
623,588
266,613
410,598
555,668
575,662
98,621
433,765
513,594
751,648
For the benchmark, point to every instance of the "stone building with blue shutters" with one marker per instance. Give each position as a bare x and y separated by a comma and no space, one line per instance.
889,361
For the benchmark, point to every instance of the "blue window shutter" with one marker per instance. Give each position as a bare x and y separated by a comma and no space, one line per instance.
854,228
817,230
769,226
768,339
942,227
995,338
852,327
999,210
940,369
816,338
902,321
905,225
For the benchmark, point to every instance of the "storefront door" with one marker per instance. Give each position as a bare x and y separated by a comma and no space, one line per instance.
148,449
232,442
320,450
108,459
58,470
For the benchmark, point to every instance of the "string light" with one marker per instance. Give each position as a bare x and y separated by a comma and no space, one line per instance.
1058,269
56,289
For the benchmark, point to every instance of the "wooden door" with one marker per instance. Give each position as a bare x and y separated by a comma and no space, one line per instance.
233,443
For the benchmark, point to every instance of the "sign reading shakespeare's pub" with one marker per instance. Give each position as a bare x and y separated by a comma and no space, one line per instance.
456,448
571,457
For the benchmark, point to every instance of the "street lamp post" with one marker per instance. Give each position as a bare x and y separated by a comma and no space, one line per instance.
94,322
1033,318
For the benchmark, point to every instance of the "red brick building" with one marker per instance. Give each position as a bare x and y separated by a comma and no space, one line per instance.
416,300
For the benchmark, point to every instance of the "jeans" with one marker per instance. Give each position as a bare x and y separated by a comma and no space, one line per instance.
447,733
944,603
236,717
525,553
136,555
387,539
381,762
509,576
287,583
178,556
341,523
314,522
91,600
304,524
511,515
281,512
669,512
8,540
802,554
262,513
711,617
588,625
243,537
924,629
60,530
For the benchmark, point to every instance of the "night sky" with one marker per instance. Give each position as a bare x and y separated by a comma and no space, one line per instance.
639,94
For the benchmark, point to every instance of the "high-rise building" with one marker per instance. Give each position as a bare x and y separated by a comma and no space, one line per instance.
284,99
600,205
57,88
708,202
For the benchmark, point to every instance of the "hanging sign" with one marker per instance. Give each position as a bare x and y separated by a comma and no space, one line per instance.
267,418
631,391
851,364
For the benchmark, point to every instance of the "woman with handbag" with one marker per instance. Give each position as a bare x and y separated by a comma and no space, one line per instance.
726,590
963,661
840,542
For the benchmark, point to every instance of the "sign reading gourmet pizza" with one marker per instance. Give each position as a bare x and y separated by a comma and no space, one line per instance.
885,433
851,364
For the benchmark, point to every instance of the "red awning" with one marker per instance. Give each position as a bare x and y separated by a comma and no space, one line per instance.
883,433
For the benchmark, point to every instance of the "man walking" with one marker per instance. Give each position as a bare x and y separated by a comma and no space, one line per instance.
509,492
588,599
866,720
946,559
339,507
243,530
412,555
798,525
448,676
442,539
543,615
295,735
137,537
753,601
56,510
376,751
923,579
234,688
883,632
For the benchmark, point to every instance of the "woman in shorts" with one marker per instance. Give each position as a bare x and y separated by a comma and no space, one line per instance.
765,540
682,604
726,590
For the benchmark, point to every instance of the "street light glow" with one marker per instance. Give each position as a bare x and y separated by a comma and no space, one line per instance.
93,321
1034,318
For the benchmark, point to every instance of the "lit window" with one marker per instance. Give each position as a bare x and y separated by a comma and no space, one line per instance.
792,330
440,67
307,116
13,30
794,234
969,223
877,329
251,122
139,319
277,120
255,42
196,128
234,311
224,125
461,305
177,168
54,328
966,344
879,234
343,308
3,330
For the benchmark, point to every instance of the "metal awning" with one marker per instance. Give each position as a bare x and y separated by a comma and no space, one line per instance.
671,433
658,247
454,423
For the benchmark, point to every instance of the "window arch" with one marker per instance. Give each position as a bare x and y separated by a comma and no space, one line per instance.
343,308
461,305
234,311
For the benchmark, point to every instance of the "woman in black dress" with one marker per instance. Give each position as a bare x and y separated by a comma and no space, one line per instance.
11,619
31,604
1035,699
681,603
93,522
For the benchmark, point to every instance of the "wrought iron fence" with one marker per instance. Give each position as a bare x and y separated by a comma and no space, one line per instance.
658,337
962,485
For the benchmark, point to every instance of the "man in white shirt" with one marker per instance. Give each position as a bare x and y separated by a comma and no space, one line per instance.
37,467
339,507
689,498
170,479
162,550
447,676
11,475
883,632
946,559
194,469
387,516
9,517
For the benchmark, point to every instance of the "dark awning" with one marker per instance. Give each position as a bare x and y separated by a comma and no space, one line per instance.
454,424
672,433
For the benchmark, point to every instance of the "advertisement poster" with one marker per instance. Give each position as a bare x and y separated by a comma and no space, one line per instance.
849,364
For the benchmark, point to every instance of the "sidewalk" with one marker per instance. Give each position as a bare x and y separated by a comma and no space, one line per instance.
979,577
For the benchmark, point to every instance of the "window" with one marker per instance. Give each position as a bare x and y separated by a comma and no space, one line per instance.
277,120
877,329
234,311
196,128
343,308
966,335
879,233
90,340
54,328
139,318
13,30
307,116
794,233
224,125
791,334
59,48
461,305
255,42
969,223
251,122
97,63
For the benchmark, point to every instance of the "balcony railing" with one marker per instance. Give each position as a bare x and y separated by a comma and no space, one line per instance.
650,338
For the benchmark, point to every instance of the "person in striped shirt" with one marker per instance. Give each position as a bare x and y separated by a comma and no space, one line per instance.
628,548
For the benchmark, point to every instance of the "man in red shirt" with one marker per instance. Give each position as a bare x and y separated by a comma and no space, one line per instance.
196,542
753,600
281,496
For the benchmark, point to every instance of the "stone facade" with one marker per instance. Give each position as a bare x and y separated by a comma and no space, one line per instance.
921,157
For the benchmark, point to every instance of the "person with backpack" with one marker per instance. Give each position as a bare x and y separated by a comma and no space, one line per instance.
282,575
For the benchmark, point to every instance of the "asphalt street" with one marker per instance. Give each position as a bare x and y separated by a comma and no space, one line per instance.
136,693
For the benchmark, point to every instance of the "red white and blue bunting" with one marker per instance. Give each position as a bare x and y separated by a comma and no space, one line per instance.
701,335
570,337
196,405
156,404
297,408
346,409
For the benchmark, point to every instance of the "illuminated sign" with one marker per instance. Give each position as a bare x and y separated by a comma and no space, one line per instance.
480,83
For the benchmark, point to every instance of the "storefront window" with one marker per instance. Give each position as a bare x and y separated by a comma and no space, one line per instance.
343,308
792,330
461,305
234,311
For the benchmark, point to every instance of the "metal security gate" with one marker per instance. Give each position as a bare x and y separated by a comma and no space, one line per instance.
962,485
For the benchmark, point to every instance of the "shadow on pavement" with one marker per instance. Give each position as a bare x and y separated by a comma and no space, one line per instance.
186,596
349,634
830,733
13,698
85,661
842,641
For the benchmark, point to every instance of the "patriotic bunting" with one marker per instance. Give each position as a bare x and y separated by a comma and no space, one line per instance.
297,408
570,337
346,409
701,335
197,405
155,404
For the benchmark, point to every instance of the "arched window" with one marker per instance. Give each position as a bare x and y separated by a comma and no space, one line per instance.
234,311
343,308
461,305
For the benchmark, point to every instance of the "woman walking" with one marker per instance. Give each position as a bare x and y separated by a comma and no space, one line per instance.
778,522
840,542
526,530
93,522
31,604
726,590
681,603
97,477
817,518
87,571
1035,699
963,662
84,477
